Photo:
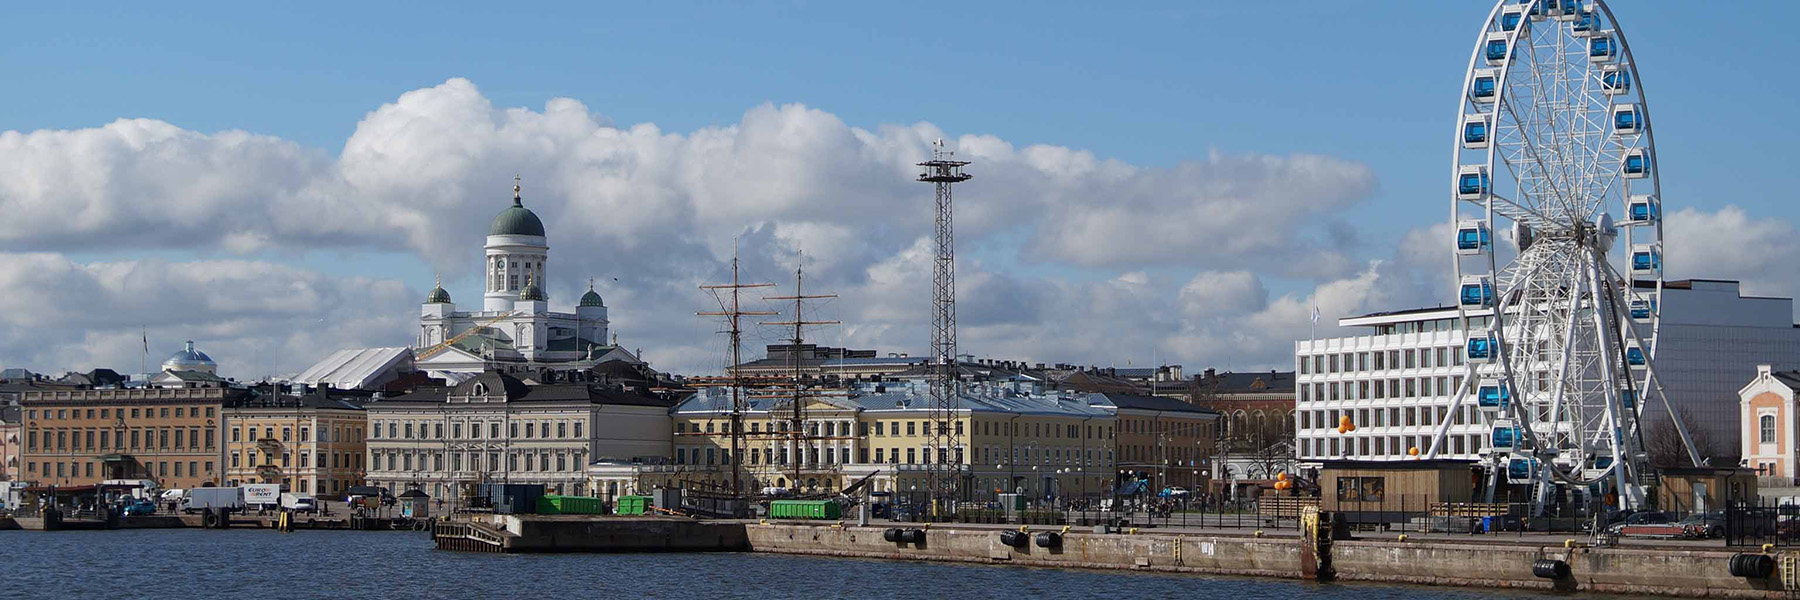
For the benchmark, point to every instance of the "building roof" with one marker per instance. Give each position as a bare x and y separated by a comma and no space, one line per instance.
438,295
518,391
9,415
266,397
191,376
1788,378
17,373
902,397
188,357
355,368
531,291
1157,403
592,298
1398,465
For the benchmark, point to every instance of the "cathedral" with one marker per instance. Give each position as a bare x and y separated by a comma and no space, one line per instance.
515,331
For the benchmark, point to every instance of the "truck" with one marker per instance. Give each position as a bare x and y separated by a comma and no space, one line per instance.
202,498
262,495
299,503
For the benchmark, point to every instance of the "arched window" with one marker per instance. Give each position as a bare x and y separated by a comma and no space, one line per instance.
1767,425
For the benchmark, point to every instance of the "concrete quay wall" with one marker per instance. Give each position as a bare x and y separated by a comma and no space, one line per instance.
1269,557
1654,571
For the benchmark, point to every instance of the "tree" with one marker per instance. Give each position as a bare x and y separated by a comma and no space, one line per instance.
1662,442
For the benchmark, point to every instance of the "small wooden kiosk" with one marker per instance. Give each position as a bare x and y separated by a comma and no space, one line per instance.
1703,489
1391,491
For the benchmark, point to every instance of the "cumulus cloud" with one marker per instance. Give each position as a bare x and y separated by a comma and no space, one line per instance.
1171,260
256,318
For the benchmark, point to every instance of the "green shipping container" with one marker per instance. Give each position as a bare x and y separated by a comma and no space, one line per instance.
570,505
805,509
632,505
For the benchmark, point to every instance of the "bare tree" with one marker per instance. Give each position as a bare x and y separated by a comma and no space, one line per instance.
1663,442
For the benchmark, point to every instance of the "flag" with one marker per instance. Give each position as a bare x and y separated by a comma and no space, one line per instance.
1315,315
146,342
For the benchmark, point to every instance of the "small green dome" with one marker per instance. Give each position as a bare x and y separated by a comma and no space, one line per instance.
592,298
531,291
516,219
438,296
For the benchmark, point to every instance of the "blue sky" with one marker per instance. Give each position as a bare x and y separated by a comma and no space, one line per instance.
1149,84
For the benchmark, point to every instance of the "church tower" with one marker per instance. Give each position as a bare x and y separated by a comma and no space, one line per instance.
516,254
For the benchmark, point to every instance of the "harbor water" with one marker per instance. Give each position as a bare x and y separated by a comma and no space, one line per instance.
193,564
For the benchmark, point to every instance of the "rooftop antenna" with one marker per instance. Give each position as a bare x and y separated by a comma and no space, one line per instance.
732,313
943,476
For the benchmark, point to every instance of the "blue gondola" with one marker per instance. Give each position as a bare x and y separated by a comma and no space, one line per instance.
1614,80
1634,356
1496,50
1520,470
1643,310
1626,119
1475,132
1482,349
1628,399
1646,260
1511,18
1585,24
1636,164
1492,396
1601,48
1472,237
1472,183
1483,88
1505,438
1644,209
1551,7
1477,294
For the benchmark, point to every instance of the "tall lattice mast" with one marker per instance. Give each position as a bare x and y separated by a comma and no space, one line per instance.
795,430
732,312
942,470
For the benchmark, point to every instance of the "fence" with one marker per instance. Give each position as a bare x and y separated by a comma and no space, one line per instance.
1755,523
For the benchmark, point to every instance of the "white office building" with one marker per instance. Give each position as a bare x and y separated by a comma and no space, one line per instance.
1396,383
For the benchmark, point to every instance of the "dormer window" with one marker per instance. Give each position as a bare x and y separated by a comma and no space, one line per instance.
481,389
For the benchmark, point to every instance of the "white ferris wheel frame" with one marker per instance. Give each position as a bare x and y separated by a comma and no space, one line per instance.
1576,224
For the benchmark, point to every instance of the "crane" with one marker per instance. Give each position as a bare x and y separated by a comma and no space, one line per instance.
440,348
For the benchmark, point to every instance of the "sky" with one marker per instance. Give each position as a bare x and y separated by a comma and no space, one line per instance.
1174,183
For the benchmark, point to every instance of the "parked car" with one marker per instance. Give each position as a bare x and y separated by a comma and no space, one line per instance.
1703,525
140,508
1645,523
1175,492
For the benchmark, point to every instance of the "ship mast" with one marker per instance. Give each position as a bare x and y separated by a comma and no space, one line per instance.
796,421
732,313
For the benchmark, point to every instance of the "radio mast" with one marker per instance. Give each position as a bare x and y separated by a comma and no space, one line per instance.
943,470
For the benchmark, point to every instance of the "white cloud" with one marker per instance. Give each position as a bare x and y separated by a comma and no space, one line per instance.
1170,261
256,318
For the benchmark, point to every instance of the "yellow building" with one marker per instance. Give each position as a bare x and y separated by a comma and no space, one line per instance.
1037,445
311,443
82,437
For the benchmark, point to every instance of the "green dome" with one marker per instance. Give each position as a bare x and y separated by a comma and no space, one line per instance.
438,296
517,220
531,291
592,298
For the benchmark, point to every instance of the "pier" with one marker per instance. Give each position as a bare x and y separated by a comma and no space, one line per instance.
1537,562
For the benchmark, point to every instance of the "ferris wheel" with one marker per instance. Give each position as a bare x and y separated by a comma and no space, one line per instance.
1558,249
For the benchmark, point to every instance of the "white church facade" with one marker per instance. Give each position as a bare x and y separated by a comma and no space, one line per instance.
515,331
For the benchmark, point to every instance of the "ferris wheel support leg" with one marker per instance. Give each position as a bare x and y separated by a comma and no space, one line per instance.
1624,467
1437,440
1651,382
